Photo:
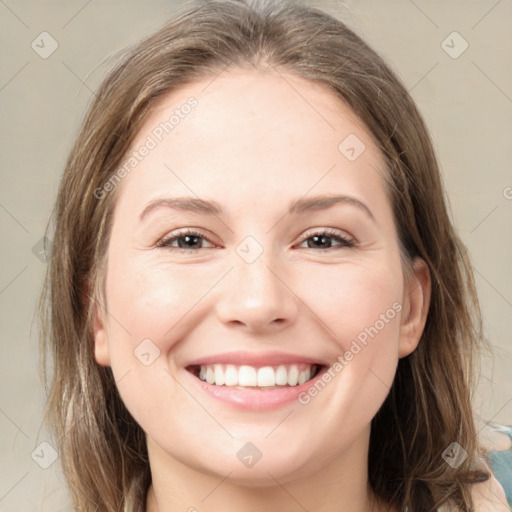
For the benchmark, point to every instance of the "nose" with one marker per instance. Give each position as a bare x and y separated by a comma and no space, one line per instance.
257,298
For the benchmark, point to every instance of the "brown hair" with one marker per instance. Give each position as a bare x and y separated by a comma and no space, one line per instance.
103,451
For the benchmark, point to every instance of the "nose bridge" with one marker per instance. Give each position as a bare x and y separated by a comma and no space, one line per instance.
255,293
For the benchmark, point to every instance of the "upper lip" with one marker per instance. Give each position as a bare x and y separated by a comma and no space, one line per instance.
257,359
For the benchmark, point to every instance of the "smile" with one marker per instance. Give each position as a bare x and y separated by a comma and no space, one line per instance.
245,376
254,381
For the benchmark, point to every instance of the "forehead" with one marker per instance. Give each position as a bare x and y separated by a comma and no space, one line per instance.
243,133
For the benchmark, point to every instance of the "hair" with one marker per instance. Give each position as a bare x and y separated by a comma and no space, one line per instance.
102,449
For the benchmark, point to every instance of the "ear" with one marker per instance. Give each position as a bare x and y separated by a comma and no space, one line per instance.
416,302
101,349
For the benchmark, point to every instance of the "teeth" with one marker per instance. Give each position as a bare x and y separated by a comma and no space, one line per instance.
219,375
266,377
293,376
246,376
249,376
304,376
230,375
281,376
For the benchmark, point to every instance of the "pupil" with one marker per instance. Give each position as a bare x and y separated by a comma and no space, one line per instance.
190,238
321,240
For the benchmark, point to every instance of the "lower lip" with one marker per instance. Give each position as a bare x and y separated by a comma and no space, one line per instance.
255,399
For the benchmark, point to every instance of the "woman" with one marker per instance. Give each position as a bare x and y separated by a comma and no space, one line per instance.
256,299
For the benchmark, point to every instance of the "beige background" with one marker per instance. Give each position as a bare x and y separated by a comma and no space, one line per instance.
467,103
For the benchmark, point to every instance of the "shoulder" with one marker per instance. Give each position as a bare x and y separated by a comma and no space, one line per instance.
489,496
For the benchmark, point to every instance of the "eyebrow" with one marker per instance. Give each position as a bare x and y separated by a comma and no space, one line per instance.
298,206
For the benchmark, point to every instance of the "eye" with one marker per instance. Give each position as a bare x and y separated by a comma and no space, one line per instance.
191,240
186,241
324,240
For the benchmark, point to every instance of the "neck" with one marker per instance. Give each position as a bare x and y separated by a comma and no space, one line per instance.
341,485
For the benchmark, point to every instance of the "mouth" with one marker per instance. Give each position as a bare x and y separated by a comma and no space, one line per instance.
254,381
268,377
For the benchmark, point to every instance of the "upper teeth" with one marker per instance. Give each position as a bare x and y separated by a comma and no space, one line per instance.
250,376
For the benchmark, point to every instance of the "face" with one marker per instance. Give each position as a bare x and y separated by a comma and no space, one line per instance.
254,326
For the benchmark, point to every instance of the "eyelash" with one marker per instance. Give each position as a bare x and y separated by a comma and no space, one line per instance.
327,232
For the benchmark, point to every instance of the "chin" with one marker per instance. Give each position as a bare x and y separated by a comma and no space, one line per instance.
284,464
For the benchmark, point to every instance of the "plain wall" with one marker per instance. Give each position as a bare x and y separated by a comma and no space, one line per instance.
466,102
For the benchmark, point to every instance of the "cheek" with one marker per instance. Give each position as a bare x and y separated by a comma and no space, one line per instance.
148,310
153,301
361,308
347,301
356,302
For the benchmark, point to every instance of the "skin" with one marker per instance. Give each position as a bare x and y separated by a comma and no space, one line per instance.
254,143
